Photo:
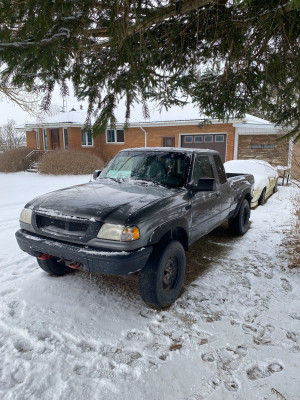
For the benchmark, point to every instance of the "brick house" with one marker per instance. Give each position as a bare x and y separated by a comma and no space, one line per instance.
250,137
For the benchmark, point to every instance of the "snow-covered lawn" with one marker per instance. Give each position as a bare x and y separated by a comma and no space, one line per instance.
233,334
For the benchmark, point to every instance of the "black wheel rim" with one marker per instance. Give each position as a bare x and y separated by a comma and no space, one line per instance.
170,273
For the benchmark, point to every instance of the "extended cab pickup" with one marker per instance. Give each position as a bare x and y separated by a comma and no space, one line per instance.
140,214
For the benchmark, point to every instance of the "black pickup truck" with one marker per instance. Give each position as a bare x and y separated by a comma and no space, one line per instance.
139,215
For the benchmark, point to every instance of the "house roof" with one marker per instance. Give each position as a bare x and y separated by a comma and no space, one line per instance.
175,115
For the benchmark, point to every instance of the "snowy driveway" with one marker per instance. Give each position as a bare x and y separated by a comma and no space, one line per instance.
233,334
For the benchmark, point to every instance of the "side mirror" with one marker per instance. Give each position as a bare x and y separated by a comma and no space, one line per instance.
96,173
206,185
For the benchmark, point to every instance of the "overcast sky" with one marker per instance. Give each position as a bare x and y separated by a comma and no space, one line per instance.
10,110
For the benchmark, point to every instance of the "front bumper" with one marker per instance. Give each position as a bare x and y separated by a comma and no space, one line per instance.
92,259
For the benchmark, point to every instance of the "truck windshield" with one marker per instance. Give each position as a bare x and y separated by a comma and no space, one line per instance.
164,168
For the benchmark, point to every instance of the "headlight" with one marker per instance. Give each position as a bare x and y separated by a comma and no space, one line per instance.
25,216
118,232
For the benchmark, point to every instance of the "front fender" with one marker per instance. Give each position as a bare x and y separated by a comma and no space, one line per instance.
245,194
169,226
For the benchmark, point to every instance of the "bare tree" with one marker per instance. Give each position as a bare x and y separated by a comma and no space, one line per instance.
10,138
29,102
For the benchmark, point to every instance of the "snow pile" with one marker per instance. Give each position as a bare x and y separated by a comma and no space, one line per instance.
233,334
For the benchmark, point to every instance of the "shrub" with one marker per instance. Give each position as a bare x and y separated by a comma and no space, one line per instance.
69,162
14,160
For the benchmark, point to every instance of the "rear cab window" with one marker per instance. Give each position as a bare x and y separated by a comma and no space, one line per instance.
220,169
202,168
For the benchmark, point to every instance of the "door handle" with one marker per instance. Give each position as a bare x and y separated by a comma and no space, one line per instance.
188,206
218,194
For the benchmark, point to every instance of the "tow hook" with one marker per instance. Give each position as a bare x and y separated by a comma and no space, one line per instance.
74,265
44,257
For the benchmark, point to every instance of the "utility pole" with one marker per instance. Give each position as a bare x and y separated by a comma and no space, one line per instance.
64,107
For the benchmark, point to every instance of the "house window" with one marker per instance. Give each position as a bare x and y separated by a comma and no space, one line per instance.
115,136
219,138
37,137
198,139
256,146
168,141
66,140
45,138
86,137
188,139
208,139
269,146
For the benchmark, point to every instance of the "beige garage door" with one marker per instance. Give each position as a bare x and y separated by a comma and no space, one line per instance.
216,141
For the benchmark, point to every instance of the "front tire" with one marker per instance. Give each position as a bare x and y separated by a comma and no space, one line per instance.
54,267
161,279
262,198
240,223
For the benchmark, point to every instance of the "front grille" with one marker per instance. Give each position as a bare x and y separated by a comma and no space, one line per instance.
60,225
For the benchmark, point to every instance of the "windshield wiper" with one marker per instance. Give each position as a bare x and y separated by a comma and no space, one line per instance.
143,180
108,177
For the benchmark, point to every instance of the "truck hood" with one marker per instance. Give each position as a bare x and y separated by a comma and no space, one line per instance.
101,200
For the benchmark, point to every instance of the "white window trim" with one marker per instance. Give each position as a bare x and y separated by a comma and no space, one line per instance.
219,141
188,141
115,134
37,139
45,142
209,141
86,140
202,134
198,141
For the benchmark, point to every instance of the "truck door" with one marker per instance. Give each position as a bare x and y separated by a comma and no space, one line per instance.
206,206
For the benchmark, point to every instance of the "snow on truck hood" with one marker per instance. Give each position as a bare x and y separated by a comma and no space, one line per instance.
100,200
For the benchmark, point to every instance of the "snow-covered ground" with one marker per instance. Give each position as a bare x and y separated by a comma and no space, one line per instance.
233,334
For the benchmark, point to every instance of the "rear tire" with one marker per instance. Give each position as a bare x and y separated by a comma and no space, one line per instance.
262,198
54,267
239,224
161,279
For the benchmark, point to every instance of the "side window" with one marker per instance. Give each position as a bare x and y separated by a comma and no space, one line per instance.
220,169
66,142
202,168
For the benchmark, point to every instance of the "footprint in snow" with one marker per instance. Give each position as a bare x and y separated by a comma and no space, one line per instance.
294,336
231,385
257,372
269,274
80,370
234,317
249,328
86,347
251,316
22,346
263,335
285,284
16,308
209,357
230,358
